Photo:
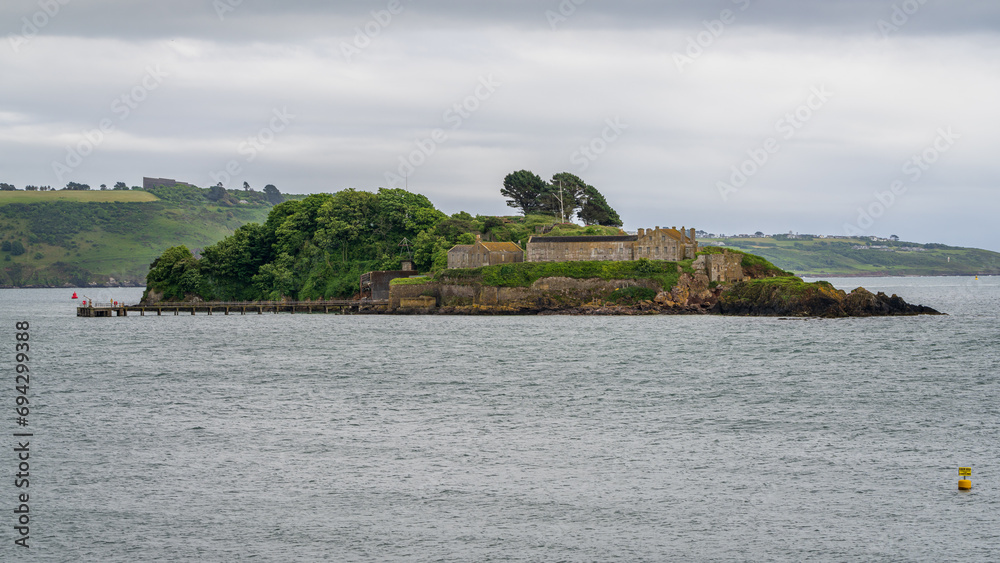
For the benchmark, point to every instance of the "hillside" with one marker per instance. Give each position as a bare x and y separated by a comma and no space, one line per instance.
77,238
79,196
816,257
67,237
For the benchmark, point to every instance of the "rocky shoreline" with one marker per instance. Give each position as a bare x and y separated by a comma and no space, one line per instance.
858,303
777,296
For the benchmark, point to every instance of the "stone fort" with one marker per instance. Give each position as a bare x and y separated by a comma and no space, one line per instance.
654,244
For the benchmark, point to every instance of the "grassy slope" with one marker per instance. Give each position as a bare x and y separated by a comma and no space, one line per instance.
124,256
836,257
125,196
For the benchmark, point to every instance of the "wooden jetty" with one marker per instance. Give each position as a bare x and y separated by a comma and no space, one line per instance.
230,307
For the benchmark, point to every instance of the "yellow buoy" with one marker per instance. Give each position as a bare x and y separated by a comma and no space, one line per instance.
965,484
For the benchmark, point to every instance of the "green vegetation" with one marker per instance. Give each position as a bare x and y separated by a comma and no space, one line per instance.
572,230
312,248
423,280
79,237
526,273
753,265
792,296
109,196
430,248
810,256
563,196
788,286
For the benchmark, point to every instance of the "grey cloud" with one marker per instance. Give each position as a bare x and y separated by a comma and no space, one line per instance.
355,120
272,20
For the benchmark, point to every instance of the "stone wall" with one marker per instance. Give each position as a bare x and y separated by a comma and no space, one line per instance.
721,268
546,293
671,245
583,248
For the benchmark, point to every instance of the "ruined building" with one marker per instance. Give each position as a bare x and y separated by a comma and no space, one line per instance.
654,244
722,268
484,254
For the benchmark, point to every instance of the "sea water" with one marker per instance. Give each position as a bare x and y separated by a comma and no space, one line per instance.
431,438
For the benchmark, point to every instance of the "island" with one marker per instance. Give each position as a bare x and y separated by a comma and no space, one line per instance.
338,246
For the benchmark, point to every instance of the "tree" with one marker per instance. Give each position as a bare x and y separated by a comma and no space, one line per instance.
76,187
216,193
16,248
104,187
176,273
758,234
564,196
231,262
273,195
246,186
5,247
596,210
7,187
524,189
120,186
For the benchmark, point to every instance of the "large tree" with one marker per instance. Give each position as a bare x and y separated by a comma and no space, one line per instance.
273,195
524,189
216,193
596,210
564,196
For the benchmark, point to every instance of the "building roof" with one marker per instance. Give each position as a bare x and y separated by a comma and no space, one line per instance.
501,246
610,238
461,247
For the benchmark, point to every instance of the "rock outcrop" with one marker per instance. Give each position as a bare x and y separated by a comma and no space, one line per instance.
795,298
710,286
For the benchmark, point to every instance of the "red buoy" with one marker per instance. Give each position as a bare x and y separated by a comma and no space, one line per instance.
74,296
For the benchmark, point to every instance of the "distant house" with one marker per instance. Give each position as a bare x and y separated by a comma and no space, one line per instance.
484,254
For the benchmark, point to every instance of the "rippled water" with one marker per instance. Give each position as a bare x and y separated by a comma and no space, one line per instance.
381,438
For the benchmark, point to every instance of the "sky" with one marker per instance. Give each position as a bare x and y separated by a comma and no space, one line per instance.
825,117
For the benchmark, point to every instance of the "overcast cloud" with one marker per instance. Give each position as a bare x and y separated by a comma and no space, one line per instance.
821,106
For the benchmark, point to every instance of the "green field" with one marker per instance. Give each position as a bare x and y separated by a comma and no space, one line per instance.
98,237
106,196
839,257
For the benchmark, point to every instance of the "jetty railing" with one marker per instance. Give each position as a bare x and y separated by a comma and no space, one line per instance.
227,307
